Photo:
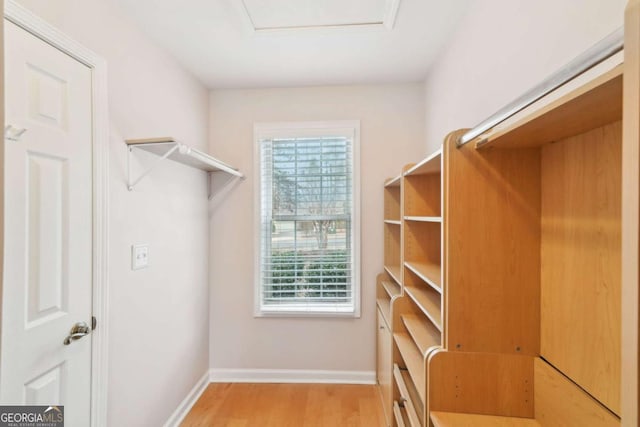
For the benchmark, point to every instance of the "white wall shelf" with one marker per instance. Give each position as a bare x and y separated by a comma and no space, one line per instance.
168,148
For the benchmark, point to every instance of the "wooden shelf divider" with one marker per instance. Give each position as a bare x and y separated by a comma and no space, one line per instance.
452,419
385,306
423,218
392,288
413,360
394,272
393,182
412,404
430,165
423,333
429,302
429,273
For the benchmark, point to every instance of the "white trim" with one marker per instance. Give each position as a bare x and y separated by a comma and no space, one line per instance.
291,376
393,6
388,22
348,128
187,403
100,350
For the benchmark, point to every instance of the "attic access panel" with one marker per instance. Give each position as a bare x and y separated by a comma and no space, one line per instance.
278,15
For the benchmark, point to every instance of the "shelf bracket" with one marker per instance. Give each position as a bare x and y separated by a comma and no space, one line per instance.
131,183
215,187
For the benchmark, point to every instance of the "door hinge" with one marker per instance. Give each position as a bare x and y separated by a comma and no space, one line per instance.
94,322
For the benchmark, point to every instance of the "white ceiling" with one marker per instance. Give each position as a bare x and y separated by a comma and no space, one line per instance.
217,39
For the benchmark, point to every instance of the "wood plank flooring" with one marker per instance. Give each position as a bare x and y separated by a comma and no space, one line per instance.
287,405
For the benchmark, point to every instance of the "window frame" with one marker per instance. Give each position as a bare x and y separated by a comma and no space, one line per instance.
347,128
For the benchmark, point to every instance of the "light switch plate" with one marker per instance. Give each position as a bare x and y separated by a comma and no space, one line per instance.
139,256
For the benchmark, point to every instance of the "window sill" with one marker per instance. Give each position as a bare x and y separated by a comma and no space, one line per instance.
307,311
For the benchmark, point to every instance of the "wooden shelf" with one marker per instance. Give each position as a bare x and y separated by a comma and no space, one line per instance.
393,289
422,243
423,218
422,195
452,419
591,106
392,204
385,307
424,334
412,403
429,302
394,272
430,273
393,182
430,165
402,420
413,360
393,250
393,221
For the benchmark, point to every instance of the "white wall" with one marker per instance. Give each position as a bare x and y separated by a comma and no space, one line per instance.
502,49
392,126
159,316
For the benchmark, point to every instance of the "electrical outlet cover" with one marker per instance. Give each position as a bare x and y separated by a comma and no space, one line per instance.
139,256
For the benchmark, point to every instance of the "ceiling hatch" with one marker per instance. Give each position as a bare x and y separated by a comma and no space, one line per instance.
287,15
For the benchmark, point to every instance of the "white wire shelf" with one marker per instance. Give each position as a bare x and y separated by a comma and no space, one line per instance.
168,148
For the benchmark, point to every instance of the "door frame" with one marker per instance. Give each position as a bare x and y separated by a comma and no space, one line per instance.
30,22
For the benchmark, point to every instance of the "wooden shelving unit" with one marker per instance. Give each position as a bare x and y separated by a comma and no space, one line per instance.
412,262
388,290
533,271
514,266
422,241
418,320
392,229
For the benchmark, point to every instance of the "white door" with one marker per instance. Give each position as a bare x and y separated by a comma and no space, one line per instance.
48,228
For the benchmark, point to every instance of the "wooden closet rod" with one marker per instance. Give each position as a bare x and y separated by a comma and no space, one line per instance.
598,53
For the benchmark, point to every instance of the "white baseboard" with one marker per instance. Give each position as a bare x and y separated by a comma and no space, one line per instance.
291,376
185,406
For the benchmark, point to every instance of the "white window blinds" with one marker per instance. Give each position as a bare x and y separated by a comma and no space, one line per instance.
307,224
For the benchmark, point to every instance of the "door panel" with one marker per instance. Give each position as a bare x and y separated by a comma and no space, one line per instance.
46,387
48,254
48,223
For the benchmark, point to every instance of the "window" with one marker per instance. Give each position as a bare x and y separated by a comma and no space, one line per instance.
308,219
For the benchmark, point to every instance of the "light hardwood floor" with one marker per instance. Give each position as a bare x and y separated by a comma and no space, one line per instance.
287,405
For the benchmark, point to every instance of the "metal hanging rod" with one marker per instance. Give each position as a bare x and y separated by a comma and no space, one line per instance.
598,53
